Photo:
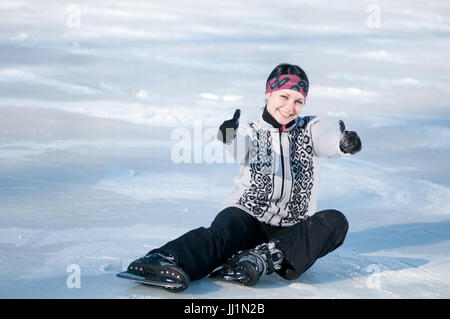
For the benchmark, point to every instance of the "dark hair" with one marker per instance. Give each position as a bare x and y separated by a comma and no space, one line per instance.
285,68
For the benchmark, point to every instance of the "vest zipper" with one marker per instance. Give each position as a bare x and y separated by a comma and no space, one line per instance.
282,172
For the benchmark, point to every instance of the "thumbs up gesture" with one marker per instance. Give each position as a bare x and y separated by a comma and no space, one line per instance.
350,141
227,131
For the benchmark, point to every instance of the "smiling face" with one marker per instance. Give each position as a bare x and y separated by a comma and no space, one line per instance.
284,105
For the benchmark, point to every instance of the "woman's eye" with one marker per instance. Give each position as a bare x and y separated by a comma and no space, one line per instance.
301,102
284,96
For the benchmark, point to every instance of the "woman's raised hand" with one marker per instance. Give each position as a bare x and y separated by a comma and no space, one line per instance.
227,131
350,141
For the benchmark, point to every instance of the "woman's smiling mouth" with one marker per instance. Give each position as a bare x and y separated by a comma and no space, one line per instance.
284,114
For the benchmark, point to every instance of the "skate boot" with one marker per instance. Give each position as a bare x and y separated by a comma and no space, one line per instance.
157,269
248,266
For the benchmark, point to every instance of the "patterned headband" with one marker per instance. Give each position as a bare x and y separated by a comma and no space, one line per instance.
288,82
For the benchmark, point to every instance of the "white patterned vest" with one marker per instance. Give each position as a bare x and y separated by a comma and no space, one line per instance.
280,171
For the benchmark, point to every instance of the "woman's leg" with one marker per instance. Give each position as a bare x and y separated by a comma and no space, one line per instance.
303,243
201,250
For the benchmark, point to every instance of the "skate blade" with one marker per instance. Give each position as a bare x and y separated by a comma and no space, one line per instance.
233,277
226,276
147,281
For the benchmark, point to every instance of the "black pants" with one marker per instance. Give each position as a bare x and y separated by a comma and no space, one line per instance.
201,250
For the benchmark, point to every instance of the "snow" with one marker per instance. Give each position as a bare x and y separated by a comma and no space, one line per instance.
91,94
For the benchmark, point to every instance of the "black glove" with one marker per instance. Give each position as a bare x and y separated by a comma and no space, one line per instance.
350,141
227,131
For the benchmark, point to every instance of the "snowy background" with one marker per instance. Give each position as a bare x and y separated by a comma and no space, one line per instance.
92,91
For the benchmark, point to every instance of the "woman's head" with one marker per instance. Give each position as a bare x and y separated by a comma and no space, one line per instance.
286,90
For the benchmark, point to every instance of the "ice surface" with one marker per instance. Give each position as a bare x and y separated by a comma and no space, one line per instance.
91,94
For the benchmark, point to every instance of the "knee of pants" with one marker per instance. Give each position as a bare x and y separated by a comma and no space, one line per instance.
239,228
338,222
230,218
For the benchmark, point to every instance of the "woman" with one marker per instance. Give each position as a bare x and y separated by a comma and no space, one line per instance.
269,223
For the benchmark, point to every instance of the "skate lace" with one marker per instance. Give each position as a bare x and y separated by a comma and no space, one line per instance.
166,259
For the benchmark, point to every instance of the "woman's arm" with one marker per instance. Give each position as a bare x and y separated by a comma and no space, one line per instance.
333,143
325,140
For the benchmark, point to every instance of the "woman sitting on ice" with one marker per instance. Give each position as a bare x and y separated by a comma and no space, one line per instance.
269,223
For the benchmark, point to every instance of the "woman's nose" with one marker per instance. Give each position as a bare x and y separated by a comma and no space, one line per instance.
291,105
